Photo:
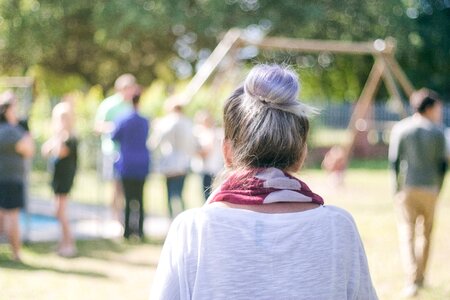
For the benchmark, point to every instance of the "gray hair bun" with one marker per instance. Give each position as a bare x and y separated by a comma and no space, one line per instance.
276,87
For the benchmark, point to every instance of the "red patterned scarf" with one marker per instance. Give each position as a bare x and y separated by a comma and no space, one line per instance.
262,186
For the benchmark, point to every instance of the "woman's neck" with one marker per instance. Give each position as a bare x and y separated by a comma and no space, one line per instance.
271,208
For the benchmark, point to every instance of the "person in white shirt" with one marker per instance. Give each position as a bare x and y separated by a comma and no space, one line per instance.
263,234
208,162
174,146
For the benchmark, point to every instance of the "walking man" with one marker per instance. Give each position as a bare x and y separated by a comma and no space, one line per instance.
417,156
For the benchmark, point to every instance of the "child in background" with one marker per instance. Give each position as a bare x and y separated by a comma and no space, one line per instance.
61,149
335,163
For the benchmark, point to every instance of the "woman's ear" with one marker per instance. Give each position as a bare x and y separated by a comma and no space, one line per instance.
227,153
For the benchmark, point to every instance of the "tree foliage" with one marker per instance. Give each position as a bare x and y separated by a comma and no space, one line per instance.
98,40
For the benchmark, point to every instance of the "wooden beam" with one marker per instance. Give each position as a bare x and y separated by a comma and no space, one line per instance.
234,37
211,63
400,75
393,89
364,101
17,81
376,47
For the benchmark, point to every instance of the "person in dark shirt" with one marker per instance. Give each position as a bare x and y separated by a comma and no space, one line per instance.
131,133
16,145
418,158
61,149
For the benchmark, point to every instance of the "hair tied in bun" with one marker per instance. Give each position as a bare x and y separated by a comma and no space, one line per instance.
263,99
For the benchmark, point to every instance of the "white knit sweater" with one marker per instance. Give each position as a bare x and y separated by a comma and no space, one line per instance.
227,253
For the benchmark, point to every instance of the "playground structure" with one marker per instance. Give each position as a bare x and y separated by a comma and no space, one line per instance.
385,68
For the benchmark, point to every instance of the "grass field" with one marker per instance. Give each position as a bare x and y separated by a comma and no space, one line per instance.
112,269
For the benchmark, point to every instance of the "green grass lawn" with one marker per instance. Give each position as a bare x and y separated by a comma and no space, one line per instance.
109,269
104,269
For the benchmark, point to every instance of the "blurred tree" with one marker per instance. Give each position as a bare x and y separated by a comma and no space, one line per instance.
98,40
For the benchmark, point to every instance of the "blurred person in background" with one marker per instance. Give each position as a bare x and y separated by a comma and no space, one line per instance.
335,163
16,144
131,133
108,112
174,142
61,149
417,155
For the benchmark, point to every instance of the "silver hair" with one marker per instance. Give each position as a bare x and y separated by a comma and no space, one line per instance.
277,87
264,121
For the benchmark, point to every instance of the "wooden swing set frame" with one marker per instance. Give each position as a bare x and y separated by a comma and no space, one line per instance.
385,68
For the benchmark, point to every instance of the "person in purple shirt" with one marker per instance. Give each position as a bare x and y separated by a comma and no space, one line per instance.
133,166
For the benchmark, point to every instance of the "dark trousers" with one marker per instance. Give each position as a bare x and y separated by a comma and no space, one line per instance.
174,190
207,185
134,204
